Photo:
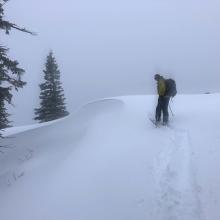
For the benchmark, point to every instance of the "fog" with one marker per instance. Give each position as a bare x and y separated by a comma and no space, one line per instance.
111,48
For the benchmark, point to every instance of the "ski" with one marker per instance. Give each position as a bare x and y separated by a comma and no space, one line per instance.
159,124
154,122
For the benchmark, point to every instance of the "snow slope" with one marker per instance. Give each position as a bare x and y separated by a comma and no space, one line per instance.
108,161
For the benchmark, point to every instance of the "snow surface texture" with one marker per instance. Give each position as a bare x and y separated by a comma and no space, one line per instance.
109,162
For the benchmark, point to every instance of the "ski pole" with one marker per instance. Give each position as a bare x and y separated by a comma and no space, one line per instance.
171,110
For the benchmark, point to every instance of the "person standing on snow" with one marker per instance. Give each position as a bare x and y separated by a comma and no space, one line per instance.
163,100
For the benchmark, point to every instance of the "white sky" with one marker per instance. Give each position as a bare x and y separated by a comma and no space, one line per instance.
114,47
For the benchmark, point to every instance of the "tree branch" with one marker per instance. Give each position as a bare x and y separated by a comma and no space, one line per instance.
23,30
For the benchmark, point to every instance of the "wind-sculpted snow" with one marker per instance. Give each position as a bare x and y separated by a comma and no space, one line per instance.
108,161
22,143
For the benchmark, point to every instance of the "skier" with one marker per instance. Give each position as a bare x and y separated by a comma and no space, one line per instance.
166,88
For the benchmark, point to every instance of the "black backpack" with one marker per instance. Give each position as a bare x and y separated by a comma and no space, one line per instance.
170,87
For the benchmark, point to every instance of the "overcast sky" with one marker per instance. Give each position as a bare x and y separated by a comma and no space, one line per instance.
114,47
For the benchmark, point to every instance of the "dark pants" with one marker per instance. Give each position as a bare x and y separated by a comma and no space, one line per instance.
162,106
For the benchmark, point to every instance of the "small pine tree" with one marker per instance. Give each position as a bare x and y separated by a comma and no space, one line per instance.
4,122
52,105
10,73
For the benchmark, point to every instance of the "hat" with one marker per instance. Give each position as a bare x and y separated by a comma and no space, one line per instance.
157,76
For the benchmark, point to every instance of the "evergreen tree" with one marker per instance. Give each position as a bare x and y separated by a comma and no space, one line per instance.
10,72
52,105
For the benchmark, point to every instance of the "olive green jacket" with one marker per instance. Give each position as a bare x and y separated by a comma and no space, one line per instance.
161,87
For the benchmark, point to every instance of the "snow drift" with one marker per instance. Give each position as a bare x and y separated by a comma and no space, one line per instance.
108,161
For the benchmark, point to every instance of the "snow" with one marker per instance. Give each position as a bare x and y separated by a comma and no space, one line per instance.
15,130
108,161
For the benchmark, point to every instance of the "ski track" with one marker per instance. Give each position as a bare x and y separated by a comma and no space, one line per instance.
176,189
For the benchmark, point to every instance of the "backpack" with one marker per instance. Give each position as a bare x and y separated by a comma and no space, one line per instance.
170,87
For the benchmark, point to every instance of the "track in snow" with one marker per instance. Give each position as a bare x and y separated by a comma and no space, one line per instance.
177,197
